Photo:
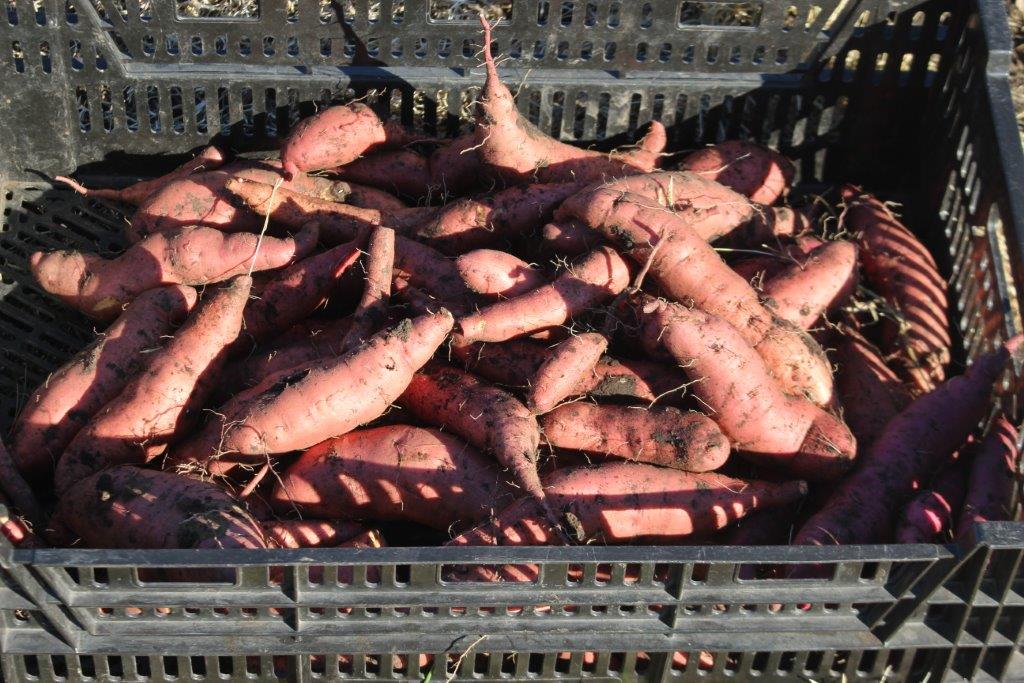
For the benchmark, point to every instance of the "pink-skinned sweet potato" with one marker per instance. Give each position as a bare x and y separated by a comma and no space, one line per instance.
812,287
337,136
400,171
931,514
569,237
455,167
992,479
869,391
767,265
163,401
480,221
565,367
372,198
913,444
76,391
631,378
310,533
100,287
128,507
766,425
753,170
484,415
592,280
900,269
770,222
514,151
497,274
509,364
687,269
396,472
661,436
371,312
300,407
208,159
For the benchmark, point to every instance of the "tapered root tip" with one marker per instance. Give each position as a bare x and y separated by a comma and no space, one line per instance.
290,169
73,184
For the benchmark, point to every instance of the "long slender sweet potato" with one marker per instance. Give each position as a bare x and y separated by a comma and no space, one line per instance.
753,170
497,274
871,394
336,136
480,221
566,366
101,287
395,473
371,313
70,396
624,502
899,268
15,489
302,406
764,424
931,514
992,480
310,533
660,436
128,507
805,291
401,171
455,167
512,150
165,397
687,269
913,443
592,280
485,416
569,237
207,160
294,293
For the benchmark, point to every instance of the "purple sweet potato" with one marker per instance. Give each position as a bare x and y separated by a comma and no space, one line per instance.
931,513
992,480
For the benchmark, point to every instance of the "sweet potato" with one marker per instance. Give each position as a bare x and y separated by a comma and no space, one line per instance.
731,379
294,293
15,489
751,169
101,287
297,408
930,515
633,378
497,274
660,436
310,533
515,212
628,502
75,392
165,397
812,287
371,312
372,198
509,364
15,529
687,269
128,507
914,442
992,479
207,160
401,171
710,210
596,278
770,222
395,473
871,394
566,366
767,266
514,151
900,269
455,168
764,527
485,416
569,237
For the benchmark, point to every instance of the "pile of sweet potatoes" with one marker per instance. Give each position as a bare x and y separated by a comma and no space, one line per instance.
504,339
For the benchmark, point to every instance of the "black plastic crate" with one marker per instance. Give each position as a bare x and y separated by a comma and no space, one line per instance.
910,99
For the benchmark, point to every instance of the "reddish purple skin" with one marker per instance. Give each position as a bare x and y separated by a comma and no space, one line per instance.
992,479
929,516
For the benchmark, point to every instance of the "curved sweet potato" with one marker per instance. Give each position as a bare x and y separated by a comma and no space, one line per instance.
764,424
371,312
310,533
165,397
566,366
395,473
71,395
128,507
992,480
401,171
660,436
900,269
871,394
512,150
751,169
914,442
806,290
101,287
497,274
596,278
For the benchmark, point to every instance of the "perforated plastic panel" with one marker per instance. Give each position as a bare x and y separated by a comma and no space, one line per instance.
909,99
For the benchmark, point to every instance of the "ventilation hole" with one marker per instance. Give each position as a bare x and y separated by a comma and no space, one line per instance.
248,124
688,53
197,45
44,57
781,55
153,107
373,47
734,56
916,25
12,13
19,57
658,107
233,10
76,55
539,48
609,51
789,18
812,16
646,15
712,55
467,48
293,46
421,48
131,112
586,50
444,48
579,118
557,110
270,109
634,111
565,17
325,47
562,51
69,11
533,107
942,29
590,14
543,9
614,11
665,54
850,65
834,17
106,109
641,52
200,102
171,43
862,23
148,46
268,46
84,118
224,110
373,13
245,47
220,46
